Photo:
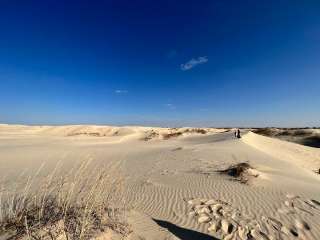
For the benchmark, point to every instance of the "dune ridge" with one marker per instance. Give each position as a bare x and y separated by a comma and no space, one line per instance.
137,132
304,156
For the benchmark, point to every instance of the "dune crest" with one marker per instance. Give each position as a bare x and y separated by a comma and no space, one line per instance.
124,132
303,156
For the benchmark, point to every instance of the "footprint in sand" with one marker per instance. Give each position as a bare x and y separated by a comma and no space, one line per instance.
227,222
295,205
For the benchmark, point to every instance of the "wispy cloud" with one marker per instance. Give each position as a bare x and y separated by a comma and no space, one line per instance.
170,106
193,62
121,91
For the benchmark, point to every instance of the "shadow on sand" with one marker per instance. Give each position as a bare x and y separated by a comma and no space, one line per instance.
183,233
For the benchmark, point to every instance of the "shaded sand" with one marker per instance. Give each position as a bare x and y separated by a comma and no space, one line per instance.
166,168
305,136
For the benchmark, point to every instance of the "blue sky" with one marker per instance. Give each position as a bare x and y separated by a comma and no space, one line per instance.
166,63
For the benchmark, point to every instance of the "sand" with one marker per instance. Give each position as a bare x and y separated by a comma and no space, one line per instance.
305,136
174,188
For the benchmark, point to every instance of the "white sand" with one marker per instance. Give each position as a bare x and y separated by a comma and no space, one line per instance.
163,175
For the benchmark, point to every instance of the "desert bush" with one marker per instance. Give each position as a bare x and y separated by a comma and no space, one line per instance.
150,135
167,136
75,205
239,172
197,130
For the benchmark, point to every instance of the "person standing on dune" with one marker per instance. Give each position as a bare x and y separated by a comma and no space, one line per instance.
238,133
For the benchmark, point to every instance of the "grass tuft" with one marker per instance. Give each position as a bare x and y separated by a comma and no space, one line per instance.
79,204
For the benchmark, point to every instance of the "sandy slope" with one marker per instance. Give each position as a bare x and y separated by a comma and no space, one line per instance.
163,175
307,137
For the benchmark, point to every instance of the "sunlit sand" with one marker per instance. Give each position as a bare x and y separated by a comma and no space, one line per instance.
183,183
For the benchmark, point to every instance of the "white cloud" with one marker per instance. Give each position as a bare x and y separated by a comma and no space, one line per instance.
193,62
170,105
119,91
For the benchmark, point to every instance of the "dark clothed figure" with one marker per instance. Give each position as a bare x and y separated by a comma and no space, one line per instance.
238,133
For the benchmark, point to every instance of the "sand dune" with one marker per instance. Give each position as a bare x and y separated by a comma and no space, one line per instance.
174,188
305,157
305,136
104,131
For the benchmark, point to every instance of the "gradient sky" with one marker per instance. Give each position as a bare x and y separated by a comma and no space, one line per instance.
167,63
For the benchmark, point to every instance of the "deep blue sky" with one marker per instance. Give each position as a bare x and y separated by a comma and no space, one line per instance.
254,62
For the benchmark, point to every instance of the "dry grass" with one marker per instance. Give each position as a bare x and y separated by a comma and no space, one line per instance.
150,135
197,130
175,132
239,172
167,136
76,205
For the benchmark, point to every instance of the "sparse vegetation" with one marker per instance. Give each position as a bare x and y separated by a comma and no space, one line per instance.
151,135
311,141
171,135
239,172
77,205
303,136
176,132
196,130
